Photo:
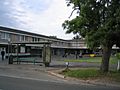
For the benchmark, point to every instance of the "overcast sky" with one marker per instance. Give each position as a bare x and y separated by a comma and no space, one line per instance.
38,16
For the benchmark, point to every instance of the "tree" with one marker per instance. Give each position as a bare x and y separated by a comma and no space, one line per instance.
98,21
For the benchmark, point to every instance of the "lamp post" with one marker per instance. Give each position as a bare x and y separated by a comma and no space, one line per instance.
8,48
10,58
76,46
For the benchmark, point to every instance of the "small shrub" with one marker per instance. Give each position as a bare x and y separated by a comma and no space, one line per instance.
118,55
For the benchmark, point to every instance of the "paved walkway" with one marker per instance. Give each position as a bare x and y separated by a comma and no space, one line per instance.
40,72
58,62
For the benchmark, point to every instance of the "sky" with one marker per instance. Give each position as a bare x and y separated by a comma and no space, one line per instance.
38,16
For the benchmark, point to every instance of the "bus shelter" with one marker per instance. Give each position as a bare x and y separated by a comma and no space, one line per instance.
46,51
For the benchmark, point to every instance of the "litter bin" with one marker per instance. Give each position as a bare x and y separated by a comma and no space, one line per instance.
10,59
47,64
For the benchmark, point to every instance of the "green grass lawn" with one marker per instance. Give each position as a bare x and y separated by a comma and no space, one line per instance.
113,60
92,74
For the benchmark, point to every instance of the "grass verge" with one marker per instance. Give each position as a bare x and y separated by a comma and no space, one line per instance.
92,74
113,60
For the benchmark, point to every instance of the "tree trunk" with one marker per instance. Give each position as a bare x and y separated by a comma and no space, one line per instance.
105,59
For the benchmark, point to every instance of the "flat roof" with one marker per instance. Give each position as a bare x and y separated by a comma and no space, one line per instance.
29,33
31,42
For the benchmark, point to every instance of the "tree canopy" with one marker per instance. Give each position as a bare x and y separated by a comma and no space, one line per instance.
98,21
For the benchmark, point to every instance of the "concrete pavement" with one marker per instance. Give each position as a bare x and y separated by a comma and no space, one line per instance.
26,70
38,72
